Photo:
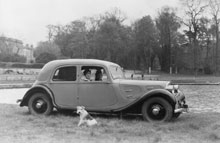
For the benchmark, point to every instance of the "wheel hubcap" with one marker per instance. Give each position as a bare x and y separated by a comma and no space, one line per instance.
39,104
156,110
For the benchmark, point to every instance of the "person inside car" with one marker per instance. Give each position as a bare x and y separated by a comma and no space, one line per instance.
98,75
87,75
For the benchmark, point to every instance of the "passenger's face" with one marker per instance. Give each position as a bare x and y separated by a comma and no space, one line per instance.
88,75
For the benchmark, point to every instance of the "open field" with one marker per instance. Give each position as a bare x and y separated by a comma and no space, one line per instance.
202,98
200,125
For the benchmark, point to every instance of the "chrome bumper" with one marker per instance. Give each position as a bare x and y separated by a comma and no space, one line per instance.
181,110
181,105
18,100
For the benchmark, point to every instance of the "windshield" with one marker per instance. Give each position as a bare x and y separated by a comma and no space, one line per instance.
116,72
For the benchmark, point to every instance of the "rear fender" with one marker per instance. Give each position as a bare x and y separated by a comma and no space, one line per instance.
37,88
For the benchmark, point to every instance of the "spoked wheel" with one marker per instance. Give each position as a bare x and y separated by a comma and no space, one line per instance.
157,109
40,104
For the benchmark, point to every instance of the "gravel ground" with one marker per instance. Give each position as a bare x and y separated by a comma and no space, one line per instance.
10,96
203,98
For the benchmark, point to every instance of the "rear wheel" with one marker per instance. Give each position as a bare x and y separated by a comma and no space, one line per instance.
40,104
157,109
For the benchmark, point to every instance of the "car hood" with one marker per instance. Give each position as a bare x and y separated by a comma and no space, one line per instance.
161,84
134,89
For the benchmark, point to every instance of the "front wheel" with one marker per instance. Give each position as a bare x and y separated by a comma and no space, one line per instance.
157,109
40,104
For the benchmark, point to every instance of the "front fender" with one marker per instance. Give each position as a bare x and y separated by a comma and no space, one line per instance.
34,89
153,93
162,93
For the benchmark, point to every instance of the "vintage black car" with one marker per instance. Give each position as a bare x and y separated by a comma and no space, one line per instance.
61,84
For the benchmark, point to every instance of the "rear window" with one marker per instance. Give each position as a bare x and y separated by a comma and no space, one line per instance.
65,74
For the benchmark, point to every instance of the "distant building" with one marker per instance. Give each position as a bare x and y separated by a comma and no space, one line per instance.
28,52
15,46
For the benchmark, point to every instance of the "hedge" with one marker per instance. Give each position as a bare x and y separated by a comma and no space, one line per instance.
21,65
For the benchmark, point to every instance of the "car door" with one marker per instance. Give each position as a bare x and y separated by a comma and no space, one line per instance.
96,94
64,86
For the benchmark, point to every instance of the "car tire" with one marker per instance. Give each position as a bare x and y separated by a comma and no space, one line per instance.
40,104
157,109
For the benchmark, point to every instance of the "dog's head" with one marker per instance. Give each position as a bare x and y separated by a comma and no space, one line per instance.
80,109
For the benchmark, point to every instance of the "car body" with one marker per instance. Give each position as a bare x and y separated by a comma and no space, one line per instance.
59,85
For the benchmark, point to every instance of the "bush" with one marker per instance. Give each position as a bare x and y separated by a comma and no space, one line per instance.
37,65
208,70
2,64
45,58
21,65
12,58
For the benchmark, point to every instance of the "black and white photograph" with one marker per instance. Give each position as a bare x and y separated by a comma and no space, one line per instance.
109,71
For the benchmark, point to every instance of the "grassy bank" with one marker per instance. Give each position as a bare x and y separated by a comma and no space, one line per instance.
17,125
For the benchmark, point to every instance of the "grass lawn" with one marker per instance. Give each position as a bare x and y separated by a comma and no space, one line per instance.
17,125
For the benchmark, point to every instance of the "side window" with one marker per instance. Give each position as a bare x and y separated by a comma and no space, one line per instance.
93,73
65,74
104,77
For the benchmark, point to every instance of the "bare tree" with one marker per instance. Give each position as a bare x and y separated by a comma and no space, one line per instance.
51,32
215,10
194,10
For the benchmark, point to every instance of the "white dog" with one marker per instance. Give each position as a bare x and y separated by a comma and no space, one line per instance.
85,118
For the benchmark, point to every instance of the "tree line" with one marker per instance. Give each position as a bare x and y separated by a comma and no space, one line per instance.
146,44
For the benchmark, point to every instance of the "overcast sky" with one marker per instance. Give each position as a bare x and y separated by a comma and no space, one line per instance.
26,20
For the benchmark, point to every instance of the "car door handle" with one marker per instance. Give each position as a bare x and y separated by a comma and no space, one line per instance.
130,96
128,90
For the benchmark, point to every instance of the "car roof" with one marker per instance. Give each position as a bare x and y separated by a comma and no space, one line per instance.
81,61
49,67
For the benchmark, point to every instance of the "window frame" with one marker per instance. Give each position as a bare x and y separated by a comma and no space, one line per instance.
64,81
93,81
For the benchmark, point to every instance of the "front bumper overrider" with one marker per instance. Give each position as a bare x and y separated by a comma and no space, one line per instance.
181,105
